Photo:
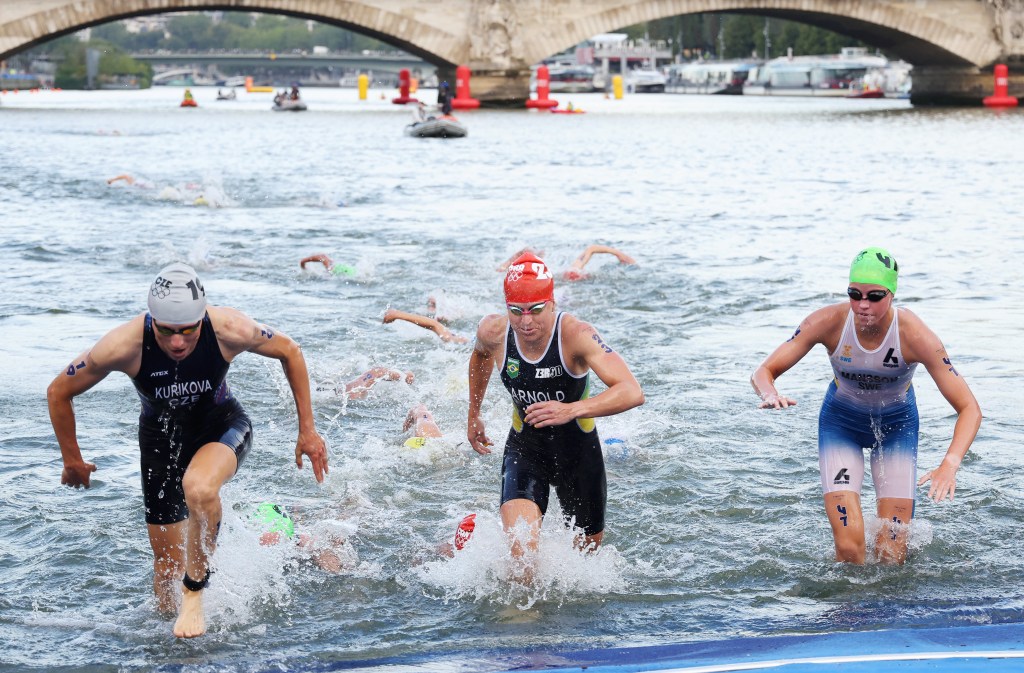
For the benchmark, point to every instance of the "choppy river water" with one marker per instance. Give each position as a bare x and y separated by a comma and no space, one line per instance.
743,215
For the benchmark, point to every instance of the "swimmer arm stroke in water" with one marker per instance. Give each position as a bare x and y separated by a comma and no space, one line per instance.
585,349
238,333
321,257
922,345
426,322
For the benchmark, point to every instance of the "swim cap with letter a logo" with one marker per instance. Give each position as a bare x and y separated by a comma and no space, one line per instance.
528,279
875,266
177,296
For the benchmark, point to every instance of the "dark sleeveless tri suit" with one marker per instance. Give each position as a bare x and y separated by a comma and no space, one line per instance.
184,405
567,457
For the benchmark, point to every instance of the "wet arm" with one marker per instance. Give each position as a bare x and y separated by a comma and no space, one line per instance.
320,257
116,351
267,342
481,363
956,391
590,351
810,333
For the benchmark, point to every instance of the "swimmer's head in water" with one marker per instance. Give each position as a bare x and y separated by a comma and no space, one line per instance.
528,279
343,270
176,296
875,266
272,518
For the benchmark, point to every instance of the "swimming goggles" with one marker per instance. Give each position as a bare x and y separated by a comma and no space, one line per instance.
536,309
184,331
874,296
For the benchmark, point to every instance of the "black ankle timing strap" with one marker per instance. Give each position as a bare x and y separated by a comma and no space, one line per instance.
193,585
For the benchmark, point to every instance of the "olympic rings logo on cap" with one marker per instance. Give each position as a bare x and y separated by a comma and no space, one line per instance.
161,287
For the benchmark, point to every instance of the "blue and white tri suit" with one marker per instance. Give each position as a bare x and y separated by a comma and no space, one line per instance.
869,404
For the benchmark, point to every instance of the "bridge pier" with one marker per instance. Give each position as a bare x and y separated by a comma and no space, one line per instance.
501,88
509,88
934,85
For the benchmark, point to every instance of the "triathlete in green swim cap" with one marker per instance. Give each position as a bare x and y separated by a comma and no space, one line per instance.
874,348
333,268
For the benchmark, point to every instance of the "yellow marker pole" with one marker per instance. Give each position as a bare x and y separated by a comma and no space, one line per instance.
364,86
617,86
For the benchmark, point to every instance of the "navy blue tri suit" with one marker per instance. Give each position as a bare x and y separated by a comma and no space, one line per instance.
568,456
184,405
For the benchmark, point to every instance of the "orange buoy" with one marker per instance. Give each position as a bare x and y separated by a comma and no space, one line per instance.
1000,96
543,90
462,100
404,82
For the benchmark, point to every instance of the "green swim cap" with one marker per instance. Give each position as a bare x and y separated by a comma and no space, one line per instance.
343,270
273,519
875,266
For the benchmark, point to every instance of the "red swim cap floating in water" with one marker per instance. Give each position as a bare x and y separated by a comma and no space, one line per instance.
528,279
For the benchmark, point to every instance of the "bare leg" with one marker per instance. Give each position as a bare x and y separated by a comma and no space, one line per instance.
589,543
212,465
847,521
511,512
168,543
891,542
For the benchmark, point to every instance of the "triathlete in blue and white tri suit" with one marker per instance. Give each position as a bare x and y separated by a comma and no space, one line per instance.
545,358
874,349
192,433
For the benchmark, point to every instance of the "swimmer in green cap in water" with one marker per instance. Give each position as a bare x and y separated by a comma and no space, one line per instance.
274,521
332,553
874,348
329,264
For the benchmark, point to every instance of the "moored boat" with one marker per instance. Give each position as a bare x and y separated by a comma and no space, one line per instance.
825,75
709,77
645,81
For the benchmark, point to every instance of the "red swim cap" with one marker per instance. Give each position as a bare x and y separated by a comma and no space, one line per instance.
465,531
528,279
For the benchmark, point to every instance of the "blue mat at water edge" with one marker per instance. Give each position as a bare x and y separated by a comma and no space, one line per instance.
965,649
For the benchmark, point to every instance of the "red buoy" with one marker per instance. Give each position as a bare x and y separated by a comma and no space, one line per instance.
462,100
543,90
404,82
1000,97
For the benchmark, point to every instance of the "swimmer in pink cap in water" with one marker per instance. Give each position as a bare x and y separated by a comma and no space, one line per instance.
544,358
575,271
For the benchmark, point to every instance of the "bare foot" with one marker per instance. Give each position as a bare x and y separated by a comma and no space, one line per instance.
409,377
191,621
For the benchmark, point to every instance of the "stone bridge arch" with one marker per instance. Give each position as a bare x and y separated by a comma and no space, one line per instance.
948,41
